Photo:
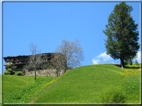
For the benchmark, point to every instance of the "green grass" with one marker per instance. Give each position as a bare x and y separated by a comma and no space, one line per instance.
87,84
0,89
20,89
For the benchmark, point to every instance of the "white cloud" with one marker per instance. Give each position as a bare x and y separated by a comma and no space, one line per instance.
95,61
102,58
138,57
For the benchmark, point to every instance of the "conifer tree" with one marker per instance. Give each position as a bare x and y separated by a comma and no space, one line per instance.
122,34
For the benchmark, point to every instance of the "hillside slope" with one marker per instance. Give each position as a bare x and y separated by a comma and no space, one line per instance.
93,84
20,89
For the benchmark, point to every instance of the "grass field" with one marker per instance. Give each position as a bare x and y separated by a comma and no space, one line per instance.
20,89
86,84
0,89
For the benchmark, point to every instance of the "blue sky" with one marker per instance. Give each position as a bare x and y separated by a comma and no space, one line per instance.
47,23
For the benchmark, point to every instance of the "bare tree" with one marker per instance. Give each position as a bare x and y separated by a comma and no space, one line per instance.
35,60
58,62
73,53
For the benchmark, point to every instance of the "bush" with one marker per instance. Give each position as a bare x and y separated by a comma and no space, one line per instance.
9,72
19,73
115,95
6,72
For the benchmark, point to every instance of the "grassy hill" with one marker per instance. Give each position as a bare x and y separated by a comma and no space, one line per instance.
87,84
20,89
0,90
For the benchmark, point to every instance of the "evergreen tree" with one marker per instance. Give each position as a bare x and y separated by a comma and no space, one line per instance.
122,34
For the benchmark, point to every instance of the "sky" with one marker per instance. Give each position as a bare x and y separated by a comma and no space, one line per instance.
46,24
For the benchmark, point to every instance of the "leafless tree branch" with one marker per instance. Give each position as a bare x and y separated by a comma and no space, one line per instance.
35,60
72,51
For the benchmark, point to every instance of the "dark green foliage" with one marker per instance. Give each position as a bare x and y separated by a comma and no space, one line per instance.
129,61
19,73
6,72
122,34
114,95
9,70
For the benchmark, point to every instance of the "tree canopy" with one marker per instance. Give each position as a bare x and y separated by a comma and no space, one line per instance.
122,34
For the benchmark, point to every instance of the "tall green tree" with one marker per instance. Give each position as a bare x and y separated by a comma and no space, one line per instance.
122,34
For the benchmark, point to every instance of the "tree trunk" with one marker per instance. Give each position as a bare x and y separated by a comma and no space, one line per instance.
65,69
122,62
35,74
131,61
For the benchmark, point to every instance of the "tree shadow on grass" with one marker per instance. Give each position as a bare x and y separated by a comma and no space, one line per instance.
128,67
132,67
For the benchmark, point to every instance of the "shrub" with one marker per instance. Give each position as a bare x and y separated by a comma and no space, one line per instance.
9,72
6,72
19,73
115,95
